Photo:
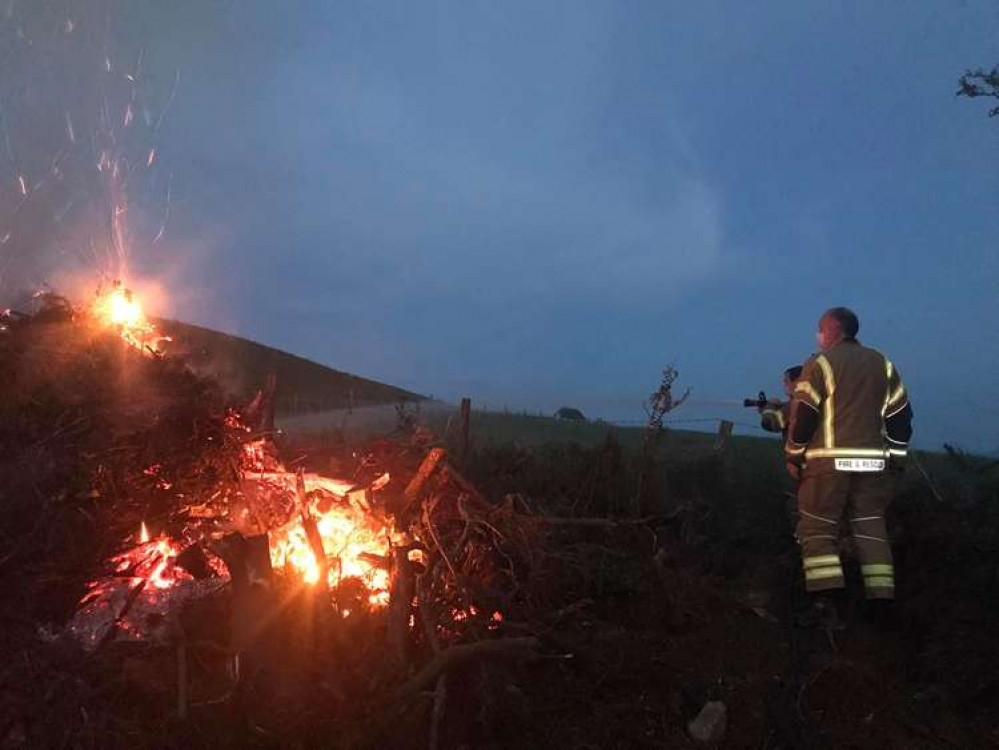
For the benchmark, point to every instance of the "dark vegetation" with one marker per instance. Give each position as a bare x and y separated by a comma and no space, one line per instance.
980,83
663,578
695,601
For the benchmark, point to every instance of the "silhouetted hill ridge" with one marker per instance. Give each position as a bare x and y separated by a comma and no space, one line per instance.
304,386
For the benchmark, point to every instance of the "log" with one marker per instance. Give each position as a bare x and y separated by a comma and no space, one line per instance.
428,618
400,604
455,656
253,602
466,414
419,481
455,477
312,531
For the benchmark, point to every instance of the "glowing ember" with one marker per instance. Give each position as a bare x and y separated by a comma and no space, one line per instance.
143,533
132,602
119,308
151,562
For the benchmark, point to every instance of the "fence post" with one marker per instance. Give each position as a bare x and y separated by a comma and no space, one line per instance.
724,435
466,413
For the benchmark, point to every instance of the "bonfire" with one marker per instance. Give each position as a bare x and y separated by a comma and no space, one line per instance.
346,597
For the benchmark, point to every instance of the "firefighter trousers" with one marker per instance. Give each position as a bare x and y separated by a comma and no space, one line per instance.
860,499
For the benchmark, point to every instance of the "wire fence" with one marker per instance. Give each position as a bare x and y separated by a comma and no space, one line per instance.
699,420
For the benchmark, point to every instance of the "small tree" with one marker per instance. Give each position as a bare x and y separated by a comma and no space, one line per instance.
659,404
976,83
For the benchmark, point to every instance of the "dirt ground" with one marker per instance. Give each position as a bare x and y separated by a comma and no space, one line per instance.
715,623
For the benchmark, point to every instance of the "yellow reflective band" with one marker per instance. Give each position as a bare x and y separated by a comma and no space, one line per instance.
899,393
879,569
820,561
879,583
819,574
845,453
794,451
898,452
888,371
828,412
805,387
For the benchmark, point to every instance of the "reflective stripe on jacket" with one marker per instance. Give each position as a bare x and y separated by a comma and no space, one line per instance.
850,402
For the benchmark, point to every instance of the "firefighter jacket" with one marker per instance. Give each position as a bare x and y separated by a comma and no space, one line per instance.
850,411
775,416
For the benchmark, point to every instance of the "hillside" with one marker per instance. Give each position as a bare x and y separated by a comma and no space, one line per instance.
303,386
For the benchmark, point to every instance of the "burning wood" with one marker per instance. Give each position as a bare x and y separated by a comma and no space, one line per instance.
147,583
411,561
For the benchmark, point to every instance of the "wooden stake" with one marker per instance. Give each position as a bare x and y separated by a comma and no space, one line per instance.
466,415
724,435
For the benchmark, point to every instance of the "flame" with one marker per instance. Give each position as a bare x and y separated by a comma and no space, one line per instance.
143,533
124,309
353,542
119,308
354,539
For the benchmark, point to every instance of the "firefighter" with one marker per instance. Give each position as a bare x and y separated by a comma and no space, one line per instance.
774,415
850,424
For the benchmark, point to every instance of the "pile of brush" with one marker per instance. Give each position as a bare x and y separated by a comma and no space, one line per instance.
98,436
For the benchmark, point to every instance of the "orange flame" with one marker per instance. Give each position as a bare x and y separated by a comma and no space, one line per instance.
354,539
119,308
143,533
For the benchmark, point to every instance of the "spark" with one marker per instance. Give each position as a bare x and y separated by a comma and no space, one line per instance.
60,215
69,26
173,93
128,115
23,184
166,211
152,157
69,129
10,151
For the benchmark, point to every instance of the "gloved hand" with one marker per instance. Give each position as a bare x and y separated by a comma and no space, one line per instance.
770,404
795,462
794,470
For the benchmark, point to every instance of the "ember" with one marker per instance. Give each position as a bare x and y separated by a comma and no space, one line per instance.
131,604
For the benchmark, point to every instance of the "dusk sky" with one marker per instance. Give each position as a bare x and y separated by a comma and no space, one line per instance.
538,204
